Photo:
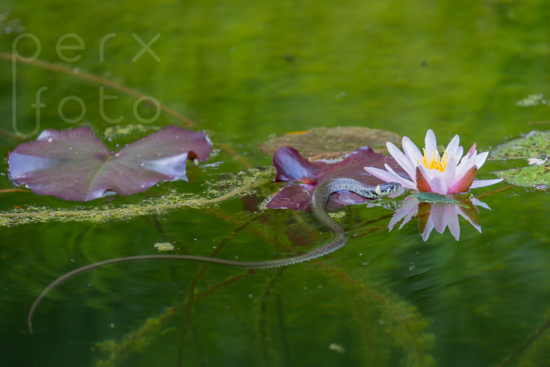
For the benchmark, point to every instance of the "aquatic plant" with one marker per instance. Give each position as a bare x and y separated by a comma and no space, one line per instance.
75,165
291,166
232,186
451,174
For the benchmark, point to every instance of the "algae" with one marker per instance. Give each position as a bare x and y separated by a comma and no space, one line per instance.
164,246
232,186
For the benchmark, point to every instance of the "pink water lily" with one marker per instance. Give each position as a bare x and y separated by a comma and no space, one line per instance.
451,173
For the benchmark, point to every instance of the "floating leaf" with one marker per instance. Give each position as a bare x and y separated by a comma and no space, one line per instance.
531,100
432,198
535,147
536,144
291,167
75,165
327,143
536,175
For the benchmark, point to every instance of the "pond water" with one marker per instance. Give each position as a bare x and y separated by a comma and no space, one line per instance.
246,71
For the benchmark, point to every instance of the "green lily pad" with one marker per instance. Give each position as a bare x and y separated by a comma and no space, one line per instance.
536,144
431,197
327,143
538,176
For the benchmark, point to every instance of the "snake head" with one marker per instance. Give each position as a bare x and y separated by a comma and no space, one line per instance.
387,188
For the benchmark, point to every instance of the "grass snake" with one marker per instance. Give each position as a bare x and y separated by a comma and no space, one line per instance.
317,205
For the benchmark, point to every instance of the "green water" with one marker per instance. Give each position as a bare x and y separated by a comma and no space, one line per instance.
245,71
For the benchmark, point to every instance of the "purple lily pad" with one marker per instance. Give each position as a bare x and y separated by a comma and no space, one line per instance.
75,165
292,167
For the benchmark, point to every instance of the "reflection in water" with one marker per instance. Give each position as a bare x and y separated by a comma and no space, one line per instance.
438,215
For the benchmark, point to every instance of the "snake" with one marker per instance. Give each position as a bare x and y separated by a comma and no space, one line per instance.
317,206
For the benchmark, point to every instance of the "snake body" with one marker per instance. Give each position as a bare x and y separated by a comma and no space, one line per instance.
317,205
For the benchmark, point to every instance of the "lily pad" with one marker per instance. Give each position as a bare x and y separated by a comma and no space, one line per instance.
327,143
534,147
75,165
527,176
293,167
432,198
536,144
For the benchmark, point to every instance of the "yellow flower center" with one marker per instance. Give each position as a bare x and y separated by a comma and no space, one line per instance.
436,162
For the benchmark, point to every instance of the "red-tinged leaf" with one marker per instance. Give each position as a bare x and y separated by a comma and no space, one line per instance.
465,182
291,197
75,165
424,210
421,182
292,167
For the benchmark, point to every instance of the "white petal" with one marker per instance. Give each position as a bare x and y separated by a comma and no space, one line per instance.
410,202
428,229
449,175
466,163
465,216
439,217
412,152
476,202
426,172
436,173
453,146
380,173
481,158
431,144
452,223
401,159
397,193
458,155
407,210
405,183
395,219
483,183
390,177
438,185
398,215
408,218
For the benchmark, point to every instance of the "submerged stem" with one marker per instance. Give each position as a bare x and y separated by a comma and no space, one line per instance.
94,79
193,286
262,323
537,333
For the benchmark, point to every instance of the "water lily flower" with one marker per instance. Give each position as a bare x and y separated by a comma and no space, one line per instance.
438,216
451,173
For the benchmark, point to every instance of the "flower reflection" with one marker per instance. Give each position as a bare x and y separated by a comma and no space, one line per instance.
438,215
